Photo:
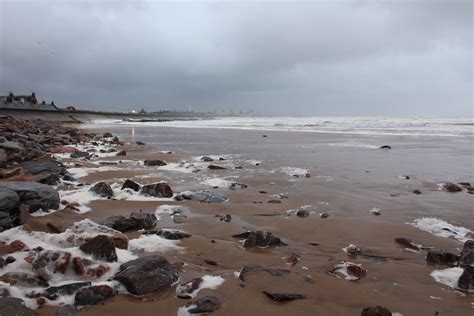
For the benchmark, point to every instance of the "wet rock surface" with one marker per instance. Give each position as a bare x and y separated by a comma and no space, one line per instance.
283,296
440,257
14,307
259,239
34,194
466,280
376,311
147,274
67,310
100,247
136,221
467,254
451,187
103,189
154,163
161,190
66,289
93,295
173,234
129,184
204,196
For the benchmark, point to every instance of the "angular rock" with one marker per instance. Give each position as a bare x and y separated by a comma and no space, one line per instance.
466,280
385,147
66,289
103,189
7,221
376,311
154,163
47,166
417,192
451,187
147,274
440,257
50,179
121,153
34,194
144,220
161,190
185,290
140,143
93,295
11,146
79,154
284,297
172,234
207,304
260,239
14,307
129,184
215,167
467,254
101,247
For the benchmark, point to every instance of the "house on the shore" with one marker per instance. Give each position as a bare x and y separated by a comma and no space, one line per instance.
25,102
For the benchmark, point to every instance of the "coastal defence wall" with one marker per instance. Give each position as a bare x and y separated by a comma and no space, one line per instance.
81,117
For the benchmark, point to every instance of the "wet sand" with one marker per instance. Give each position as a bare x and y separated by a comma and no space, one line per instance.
339,185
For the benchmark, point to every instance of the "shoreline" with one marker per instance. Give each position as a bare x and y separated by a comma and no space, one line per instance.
306,266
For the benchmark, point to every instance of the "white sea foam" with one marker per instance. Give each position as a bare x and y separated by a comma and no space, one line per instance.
293,171
217,182
354,144
208,282
153,243
449,276
441,228
67,241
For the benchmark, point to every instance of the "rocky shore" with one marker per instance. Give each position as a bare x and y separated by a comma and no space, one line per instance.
56,259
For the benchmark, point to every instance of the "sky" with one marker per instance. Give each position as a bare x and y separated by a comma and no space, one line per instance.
346,57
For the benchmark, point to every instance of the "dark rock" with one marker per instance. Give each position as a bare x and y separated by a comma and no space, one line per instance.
100,247
129,184
51,179
303,212
215,167
439,257
13,307
9,260
206,159
7,221
147,274
284,297
162,190
140,143
69,178
12,146
35,195
324,215
226,218
103,189
211,262
185,290
107,135
67,310
154,163
409,243
204,196
451,187
385,147
9,200
144,220
259,239
467,254
207,304
66,289
172,234
465,184
466,280
417,192
274,201
79,154
376,311
120,223
236,185
93,295
121,153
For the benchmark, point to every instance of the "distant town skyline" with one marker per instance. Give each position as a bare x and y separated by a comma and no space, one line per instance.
347,57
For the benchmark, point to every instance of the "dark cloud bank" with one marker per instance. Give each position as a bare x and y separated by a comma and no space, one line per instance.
408,58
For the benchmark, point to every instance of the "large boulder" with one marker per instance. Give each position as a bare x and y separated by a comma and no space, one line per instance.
14,306
100,247
35,195
154,163
467,254
147,274
161,190
9,200
103,189
144,220
129,184
47,166
93,295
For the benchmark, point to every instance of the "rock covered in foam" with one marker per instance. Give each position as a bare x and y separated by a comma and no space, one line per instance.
50,262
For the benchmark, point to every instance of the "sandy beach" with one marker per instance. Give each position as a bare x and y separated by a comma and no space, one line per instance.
319,193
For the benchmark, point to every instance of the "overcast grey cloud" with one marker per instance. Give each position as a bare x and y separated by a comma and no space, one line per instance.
408,57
